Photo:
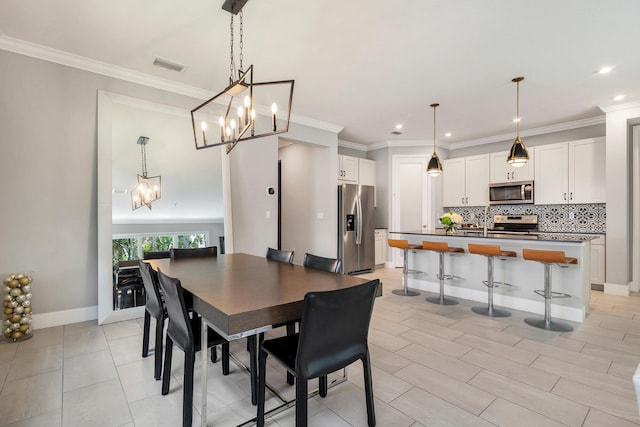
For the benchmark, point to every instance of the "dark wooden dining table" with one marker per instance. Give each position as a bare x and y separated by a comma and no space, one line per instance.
240,295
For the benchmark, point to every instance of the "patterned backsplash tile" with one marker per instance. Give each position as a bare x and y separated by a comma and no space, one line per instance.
586,218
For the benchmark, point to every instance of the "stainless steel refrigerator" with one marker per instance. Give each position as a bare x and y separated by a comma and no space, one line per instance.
356,235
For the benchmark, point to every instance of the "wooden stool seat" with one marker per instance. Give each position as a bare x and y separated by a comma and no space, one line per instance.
491,252
442,248
547,258
405,246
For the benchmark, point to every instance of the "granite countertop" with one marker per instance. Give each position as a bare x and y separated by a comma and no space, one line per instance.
540,236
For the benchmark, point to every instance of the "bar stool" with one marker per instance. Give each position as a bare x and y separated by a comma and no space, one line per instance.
442,248
405,246
491,251
548,258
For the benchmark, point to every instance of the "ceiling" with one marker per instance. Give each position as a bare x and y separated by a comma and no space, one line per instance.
369,65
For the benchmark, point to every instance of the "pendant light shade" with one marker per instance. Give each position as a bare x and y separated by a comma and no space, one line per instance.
434,168
518,155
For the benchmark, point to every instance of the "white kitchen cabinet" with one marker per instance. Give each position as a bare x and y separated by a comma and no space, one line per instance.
502,172
570,172
465,181
381,245
598,247
367,176
347,169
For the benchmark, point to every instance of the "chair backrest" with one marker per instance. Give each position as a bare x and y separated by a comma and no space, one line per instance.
399,243
150,281
156,255
486,250
179,327
334,328
280,256
435,246
209,251
321,263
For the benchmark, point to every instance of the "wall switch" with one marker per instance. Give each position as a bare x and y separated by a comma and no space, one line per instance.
320,215
267,214
572,215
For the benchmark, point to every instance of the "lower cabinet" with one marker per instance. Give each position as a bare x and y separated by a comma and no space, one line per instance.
598,261
381,245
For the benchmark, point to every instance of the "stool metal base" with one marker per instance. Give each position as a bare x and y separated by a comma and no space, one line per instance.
491,312
551,325
442,300
405,292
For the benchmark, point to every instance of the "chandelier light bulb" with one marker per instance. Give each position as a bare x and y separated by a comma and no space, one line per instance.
247,101
240,113
203,125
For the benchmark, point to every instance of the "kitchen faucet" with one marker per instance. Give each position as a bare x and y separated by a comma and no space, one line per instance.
484,230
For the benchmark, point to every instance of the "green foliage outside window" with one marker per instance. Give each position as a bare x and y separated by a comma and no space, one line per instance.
157,243
192,241
125,249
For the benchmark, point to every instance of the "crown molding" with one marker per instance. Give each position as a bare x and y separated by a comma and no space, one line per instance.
352,145
61,57
616,105
408,143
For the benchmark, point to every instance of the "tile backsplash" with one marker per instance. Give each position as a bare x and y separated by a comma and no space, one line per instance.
583,218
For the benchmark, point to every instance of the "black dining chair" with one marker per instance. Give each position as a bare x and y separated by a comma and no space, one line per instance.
184,332
154,307
155,255
209,251
321,263
314,353
280,255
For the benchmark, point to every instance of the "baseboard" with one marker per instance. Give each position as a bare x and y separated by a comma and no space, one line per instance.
615,289
57,318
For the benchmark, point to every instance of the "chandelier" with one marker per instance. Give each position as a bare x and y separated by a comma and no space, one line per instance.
244,109
148,189
518,155
434,168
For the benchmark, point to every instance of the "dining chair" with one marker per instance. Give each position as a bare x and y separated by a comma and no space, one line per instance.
279,255
184,332
332,265
154,307
209,251
314,353
155,255
127,281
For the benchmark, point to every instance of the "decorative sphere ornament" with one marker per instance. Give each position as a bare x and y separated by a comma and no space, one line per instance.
27,309
15,318
19,309
6,289
15,326
8,310
16,335
19,276
25,320
15,292
7,323
13,283
8,297
28,295
26,288
13,304
24,281
26,303
24,328
28,331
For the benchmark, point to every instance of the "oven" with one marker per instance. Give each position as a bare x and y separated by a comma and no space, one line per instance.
512,193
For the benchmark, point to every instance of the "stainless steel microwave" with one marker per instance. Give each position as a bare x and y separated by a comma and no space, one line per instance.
511,193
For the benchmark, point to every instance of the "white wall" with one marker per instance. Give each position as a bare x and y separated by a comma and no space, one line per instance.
306,195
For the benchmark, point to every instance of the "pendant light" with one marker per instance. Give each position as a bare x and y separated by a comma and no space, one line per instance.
518,155
149,188
435,166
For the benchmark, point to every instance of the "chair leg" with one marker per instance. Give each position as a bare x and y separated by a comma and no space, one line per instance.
158,349
187,399
322,385
261,388
145,334
214,354
253,365
368,390
166,375
225,358
301,402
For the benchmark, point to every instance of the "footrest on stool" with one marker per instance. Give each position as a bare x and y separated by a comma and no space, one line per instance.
448,277
553,294
497,284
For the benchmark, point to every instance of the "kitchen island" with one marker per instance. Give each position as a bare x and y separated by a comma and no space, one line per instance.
524,276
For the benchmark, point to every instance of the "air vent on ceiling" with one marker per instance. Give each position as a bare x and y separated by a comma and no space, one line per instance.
395,132
164,63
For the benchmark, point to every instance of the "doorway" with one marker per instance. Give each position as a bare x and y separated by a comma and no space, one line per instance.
411,203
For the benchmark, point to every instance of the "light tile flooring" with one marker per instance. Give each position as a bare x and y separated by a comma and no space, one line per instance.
432,366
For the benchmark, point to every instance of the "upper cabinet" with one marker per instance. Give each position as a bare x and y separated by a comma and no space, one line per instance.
570,172
465,181
502,172
347,169
366,172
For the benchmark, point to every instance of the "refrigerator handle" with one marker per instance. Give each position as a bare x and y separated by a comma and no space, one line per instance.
358,221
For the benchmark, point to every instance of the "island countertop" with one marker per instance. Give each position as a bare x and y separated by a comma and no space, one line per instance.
498,234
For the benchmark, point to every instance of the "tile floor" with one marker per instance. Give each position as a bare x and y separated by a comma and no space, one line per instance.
432,366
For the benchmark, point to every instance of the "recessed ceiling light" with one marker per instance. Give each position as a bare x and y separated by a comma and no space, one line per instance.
605,70
398,126
447,134
618,97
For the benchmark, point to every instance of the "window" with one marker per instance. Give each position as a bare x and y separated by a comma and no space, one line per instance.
133,246
125,249
187,241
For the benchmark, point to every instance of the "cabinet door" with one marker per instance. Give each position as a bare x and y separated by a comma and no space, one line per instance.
597,264
587,171
526,172
381,246
367,176
348,169
500,169
453,182
477,180
551,172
